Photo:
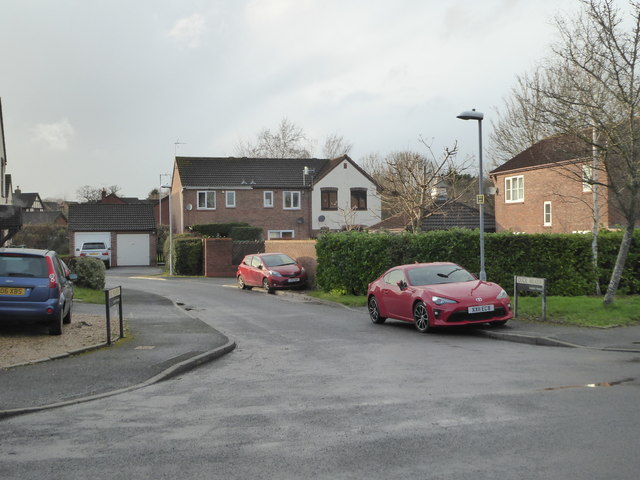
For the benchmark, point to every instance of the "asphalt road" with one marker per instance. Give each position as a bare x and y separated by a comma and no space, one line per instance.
318,391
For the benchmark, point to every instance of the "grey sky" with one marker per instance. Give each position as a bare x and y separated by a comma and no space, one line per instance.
96,92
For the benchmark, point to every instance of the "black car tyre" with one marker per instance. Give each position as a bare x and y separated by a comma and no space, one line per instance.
421,317
242,285
499,323
56,325
67,317
374,311
266,286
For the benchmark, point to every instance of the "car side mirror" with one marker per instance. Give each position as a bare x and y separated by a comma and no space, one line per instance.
402,285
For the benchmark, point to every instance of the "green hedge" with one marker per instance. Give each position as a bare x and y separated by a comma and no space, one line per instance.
216,229
187,256
349,261
50,237
246,233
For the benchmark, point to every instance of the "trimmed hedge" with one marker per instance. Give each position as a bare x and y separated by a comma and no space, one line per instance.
187,256
50,237
349,261
246,233
214,230
90,271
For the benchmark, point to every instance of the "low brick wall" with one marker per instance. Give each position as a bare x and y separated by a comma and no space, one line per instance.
217,254
302,250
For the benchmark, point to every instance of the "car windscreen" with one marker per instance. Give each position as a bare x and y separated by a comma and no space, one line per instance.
15,265
437,274
277,260
93,246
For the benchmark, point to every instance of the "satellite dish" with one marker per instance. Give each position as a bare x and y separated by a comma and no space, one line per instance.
321,218
300,220
189,207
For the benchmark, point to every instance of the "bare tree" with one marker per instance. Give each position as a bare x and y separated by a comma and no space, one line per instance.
518,126
88,193
286,141
589,88
409,180
335,146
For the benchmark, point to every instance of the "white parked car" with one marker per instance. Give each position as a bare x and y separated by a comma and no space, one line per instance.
96,250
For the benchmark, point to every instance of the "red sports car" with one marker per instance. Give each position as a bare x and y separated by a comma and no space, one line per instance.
270,271
436,295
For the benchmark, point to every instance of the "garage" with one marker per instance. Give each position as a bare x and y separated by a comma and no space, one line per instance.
129,229
133,249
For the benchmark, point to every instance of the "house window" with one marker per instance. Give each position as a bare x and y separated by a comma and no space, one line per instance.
514,189
547,214
587,178
291,200
359,198
274,234
207,200
329,198
267,199
230,198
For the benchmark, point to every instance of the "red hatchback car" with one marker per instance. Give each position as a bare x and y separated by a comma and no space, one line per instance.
436,295
270,271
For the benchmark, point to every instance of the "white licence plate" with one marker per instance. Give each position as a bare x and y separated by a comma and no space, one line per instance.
292,280
481,309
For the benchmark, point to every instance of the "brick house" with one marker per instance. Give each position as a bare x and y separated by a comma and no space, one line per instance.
287,198
547,189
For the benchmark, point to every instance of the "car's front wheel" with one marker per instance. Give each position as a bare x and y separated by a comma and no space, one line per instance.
266,286
374,311
421,317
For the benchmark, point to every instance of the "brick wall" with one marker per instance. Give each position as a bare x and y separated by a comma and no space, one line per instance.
217,254
302,250
250,209
572,209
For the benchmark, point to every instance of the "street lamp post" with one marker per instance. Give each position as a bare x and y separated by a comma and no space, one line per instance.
170,231
473,115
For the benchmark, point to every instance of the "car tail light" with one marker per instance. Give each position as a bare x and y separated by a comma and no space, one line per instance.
83,254
53,278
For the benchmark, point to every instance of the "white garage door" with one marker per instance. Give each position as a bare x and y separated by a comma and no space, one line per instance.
133,249
83,237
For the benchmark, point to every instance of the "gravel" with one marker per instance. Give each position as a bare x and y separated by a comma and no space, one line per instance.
29,343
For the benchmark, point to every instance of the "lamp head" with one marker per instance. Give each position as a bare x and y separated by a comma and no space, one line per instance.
471,115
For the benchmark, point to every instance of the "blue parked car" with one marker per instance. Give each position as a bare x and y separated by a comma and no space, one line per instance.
35,285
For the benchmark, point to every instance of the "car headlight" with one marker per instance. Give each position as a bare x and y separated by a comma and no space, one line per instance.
442,300
274,273
502,294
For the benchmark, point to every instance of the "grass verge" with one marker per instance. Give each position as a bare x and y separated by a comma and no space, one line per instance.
578,311
87,295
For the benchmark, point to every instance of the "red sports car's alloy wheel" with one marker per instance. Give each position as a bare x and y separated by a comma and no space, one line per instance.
421,317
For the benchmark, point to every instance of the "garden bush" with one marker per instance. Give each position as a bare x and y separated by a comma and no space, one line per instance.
90,271
187,256
49,237
213,230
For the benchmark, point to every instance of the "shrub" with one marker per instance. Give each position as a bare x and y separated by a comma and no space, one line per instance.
90,271
50,237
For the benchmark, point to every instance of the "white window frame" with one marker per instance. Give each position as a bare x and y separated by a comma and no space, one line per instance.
510,189
207,194
547,217
293,195
230,202
587,174
275,234
267,199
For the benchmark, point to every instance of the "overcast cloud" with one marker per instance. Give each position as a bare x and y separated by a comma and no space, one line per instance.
97,92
